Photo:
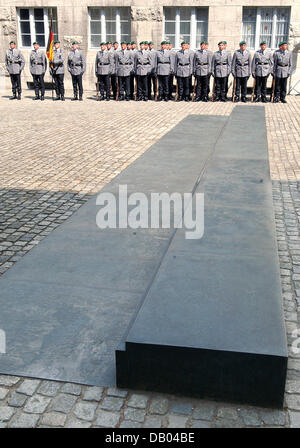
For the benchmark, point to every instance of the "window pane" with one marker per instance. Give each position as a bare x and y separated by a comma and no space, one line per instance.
95,41
125,28
26,40
38,14
95,27
95,14
171,39
185,28
24,14
41,39
39,27
170,28
110,27
249,14
185,13
249,26
25,27
202,14
170,13
124,13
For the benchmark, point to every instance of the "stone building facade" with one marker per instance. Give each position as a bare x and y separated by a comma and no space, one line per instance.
90,21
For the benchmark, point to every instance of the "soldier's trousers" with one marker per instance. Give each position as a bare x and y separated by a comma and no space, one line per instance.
104,85
261,86
152,83
124,85
280,87
77,85
16,83
202,87
39,84
171,85
163,86
132,77
191,84
241,86
142,86
183,86
220,86
59,84
114,85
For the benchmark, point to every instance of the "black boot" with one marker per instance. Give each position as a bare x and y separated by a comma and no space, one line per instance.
263,99
276,99
205,99
187,99
257,99
14,97
57,98
80,98
19,96
283,100
62,98
37,97
244,99
159,98
42,98
75,97
236,99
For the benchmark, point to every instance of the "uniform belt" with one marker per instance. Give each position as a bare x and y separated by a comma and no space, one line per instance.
76,65
38,63
282,65
159,62
202,63
222,63
183,64
262,63
141,63
242,65
126,63
103,63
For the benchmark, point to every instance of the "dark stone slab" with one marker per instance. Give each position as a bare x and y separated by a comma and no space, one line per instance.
66,305
212,323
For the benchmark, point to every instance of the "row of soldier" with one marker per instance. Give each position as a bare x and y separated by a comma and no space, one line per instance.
132,73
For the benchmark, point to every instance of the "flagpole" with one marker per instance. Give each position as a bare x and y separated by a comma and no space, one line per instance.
51,22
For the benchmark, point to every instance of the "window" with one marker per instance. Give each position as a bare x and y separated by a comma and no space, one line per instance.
269,24
189,24
34,25
109,24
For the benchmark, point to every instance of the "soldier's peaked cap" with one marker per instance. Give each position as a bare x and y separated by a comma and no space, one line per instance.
243,42
12,42
132,42
150,42
282,43
56,42
103,43
35,43
163,42
75,42
221,42
108,42
263,42
203,42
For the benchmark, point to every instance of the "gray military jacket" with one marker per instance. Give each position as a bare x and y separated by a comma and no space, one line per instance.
202,62
58,62
262,63
76,62
113,62
184,63
153,55
165,61
124,62
221,64
142,62
282,64
104,63
14,61
241,64
38,62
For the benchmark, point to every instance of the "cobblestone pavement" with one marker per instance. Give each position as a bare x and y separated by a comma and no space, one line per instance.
53,157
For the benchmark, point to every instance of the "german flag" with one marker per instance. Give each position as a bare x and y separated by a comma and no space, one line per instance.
50,43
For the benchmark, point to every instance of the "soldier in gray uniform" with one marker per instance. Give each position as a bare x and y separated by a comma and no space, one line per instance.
132,75
202,71
104,66
142,63
184,62
124,60
38,67
116,46
164,68
14,64
262,66
76,67
241,71
171,77
57,71
282,69
151,75
221,67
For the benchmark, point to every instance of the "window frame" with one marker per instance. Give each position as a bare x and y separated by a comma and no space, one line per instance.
33,33
102,36
274,24
193,24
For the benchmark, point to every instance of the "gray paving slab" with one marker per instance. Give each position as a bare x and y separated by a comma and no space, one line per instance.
212,323
66,306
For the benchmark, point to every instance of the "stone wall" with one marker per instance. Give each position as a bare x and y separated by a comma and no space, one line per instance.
225,18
